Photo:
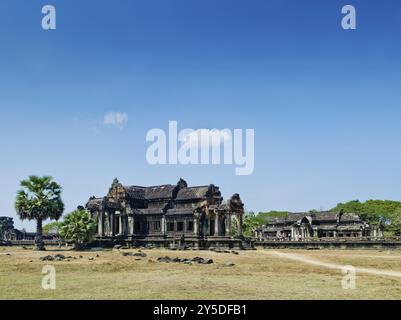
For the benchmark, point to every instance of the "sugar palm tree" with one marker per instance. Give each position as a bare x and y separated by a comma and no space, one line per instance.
39,199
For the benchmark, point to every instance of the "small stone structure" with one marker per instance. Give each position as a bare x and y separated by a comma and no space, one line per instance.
318,225
9,233
167,216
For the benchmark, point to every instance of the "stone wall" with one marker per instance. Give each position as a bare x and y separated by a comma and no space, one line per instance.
332,244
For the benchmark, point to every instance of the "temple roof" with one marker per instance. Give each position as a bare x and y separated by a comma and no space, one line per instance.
326,216
94,203
350,217
150,193
159,192
136,192
291,217
120,195
190,193
317,217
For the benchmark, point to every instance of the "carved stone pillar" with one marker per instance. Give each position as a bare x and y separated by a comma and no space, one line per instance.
121,224
130,225
216,225
228,225
112,231
106,224
163,225
240,222
100,224
196,226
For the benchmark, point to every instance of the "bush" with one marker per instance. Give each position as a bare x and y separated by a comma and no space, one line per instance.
79,228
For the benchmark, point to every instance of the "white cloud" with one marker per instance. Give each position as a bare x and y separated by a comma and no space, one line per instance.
115,119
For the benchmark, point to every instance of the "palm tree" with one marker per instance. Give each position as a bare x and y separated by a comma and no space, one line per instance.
39,199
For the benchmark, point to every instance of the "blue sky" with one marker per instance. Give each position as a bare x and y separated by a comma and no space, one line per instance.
325,103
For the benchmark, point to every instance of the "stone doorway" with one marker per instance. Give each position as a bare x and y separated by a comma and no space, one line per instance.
116,224
211,227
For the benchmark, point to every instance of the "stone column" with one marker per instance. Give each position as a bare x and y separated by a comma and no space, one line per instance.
106,224
163,225
100,224
112,231
130,224
196,226
228,225
240,221
216,224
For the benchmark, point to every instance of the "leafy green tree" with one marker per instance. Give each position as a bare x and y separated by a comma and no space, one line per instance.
264,217
39,199
249,223
376,211
52,228
79,228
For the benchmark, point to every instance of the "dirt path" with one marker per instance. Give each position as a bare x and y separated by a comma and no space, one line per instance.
307,260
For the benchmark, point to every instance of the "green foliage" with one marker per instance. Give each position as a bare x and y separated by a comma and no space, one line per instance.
78,227
52,227
39,199
265,217
251,221
375,211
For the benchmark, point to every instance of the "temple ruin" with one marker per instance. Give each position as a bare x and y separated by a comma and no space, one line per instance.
168,216
318,225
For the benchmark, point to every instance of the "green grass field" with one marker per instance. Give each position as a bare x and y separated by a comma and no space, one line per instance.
261,274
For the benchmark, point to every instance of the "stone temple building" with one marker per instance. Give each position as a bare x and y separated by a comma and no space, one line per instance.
9,233
167,216
316,225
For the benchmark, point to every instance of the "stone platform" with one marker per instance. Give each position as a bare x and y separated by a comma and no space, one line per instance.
177,242
330,244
